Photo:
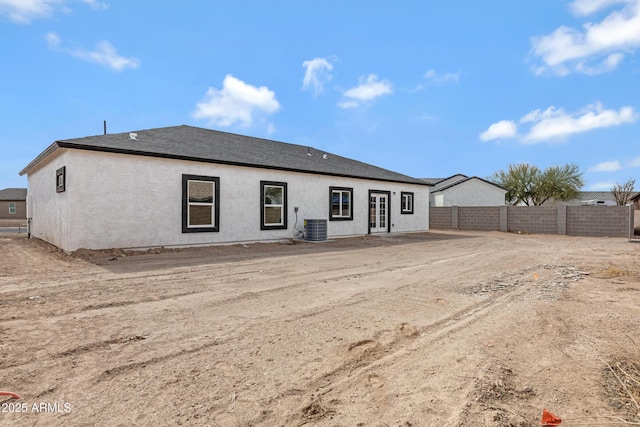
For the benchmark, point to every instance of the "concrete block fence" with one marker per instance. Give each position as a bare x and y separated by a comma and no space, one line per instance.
597,221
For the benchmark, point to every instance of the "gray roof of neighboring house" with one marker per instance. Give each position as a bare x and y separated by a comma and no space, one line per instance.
13,194
583,196
595,195
440,184
432,181
206,145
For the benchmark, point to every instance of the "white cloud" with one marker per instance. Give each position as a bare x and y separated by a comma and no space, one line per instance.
237,101
503,129
609,64
106,54
53,40
634,163
348,104
615,165
610,166
95,4
441,79
559,124
103,54
602,186
271,129
555,123
368,89
537,115
24,11
316,75
434,79
598,48
587,7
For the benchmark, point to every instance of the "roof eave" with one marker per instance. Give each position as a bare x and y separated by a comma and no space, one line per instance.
41,157
63,144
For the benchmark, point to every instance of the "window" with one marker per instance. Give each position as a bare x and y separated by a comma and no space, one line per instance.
12,208
60,180
407,203
273,205
200,204
340,205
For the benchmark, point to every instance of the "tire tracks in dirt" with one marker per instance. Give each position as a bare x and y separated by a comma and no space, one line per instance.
361,272
362,358
68,308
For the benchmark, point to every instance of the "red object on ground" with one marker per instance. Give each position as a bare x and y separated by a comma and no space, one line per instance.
549,420
8,393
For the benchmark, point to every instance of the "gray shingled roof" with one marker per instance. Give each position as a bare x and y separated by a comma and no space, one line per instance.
205,145
432,181
13,194
440,184
584,196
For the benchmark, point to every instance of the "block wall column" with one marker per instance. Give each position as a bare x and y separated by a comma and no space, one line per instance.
504,219
562,220
454,217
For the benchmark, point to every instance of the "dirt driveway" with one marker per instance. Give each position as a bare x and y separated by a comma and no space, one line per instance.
435,329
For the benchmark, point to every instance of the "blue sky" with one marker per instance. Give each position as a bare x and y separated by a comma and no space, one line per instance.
429,90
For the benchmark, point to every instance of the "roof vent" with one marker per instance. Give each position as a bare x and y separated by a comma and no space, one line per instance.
324,156
133,136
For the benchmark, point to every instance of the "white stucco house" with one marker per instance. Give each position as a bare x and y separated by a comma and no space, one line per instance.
461,190
188,186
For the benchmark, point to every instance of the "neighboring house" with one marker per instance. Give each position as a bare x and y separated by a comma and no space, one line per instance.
461,190
13,203
188,186
590,198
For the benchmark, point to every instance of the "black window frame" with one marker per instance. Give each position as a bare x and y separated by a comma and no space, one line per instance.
185,204
285,197
61,179
333,217
402,207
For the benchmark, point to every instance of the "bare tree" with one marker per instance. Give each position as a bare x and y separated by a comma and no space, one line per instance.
623,192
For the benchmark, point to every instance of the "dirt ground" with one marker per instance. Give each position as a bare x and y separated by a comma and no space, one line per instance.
433,329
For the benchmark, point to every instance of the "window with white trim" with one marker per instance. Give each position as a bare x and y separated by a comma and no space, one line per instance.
407,202
340,204
273,205
12,208
200,203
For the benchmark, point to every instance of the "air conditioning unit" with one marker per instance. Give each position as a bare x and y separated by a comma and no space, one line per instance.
316,229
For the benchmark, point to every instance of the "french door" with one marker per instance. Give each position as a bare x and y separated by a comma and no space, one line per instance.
378,212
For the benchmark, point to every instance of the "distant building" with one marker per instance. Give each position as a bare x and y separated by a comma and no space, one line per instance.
594,198
13,203
461,190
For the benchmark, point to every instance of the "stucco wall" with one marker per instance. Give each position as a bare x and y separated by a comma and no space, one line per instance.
124,201
21,210
50,215
473,192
